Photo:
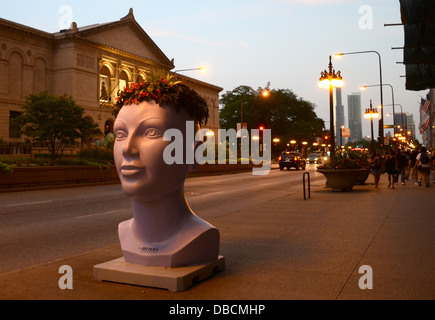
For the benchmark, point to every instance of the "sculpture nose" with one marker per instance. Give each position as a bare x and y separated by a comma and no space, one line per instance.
130,149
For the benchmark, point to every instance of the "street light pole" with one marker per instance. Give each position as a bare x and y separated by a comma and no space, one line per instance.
328,80
371,113
200,69
381,120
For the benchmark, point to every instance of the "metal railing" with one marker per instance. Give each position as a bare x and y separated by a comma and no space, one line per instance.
309,187
10,150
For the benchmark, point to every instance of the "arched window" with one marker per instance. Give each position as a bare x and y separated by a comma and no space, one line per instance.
108,127
140,78
105,84
123,80
15,75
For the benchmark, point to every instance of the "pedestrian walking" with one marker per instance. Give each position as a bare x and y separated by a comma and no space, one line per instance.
375,167
400,166
412,161
390,167
407,168
423,165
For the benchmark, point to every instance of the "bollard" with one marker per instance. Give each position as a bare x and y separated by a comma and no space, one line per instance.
309,188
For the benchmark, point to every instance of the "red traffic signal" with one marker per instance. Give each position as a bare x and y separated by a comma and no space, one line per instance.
261,128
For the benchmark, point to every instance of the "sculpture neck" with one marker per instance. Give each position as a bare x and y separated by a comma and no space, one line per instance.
157,220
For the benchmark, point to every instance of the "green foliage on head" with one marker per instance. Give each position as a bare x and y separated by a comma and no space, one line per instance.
165,90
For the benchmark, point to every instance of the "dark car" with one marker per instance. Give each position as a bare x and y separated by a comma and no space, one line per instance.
289,159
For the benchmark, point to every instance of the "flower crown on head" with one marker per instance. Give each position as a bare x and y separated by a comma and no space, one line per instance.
165,90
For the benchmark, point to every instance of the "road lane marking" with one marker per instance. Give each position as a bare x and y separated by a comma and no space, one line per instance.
28,203
99,213
213,193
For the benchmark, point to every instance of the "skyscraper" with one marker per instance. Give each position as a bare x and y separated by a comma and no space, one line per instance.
339,116
354,115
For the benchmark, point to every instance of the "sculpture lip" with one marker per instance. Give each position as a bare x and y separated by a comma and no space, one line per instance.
129,170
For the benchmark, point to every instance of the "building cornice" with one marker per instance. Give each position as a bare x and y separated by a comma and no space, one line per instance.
25,29
86,31
199,82
121,52
75,33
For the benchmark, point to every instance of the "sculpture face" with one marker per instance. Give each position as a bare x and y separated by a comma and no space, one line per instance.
139,147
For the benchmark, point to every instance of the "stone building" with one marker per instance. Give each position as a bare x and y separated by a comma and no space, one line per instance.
88,63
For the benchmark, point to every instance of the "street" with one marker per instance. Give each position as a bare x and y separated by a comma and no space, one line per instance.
41,226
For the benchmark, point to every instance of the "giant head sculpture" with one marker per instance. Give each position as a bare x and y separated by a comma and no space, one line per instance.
164,230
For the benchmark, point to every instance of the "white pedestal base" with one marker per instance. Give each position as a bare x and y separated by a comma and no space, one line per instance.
172,279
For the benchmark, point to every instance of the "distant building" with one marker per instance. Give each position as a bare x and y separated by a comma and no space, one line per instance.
339,117
355,116
410,124
88,63
406,122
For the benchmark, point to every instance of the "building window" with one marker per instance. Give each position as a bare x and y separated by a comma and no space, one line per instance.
123,80
108,127
14,128
104,88
140,78
122,84
15,75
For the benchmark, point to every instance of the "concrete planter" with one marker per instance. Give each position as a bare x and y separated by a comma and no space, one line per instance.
343,179
363,177
221,168
37,177
24,178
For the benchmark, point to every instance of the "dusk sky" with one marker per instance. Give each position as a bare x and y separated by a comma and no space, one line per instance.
253,42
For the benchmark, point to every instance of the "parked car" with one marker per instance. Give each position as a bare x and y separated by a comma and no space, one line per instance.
289,159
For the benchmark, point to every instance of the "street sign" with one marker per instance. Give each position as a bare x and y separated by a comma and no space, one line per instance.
345,132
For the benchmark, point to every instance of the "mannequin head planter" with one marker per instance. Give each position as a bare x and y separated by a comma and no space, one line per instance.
164,231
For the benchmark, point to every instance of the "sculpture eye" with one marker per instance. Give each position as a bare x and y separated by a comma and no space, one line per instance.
152,133
120,135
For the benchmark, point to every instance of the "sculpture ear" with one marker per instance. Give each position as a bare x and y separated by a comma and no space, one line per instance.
192,167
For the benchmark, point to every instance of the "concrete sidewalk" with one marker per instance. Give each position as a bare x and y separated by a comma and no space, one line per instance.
288,248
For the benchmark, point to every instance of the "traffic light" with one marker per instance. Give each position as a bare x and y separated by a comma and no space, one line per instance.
261,128
380,132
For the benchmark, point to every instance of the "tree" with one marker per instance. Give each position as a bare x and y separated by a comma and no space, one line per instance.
56,121
288,116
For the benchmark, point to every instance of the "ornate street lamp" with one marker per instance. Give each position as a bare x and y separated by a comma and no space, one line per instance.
370,114
328,80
